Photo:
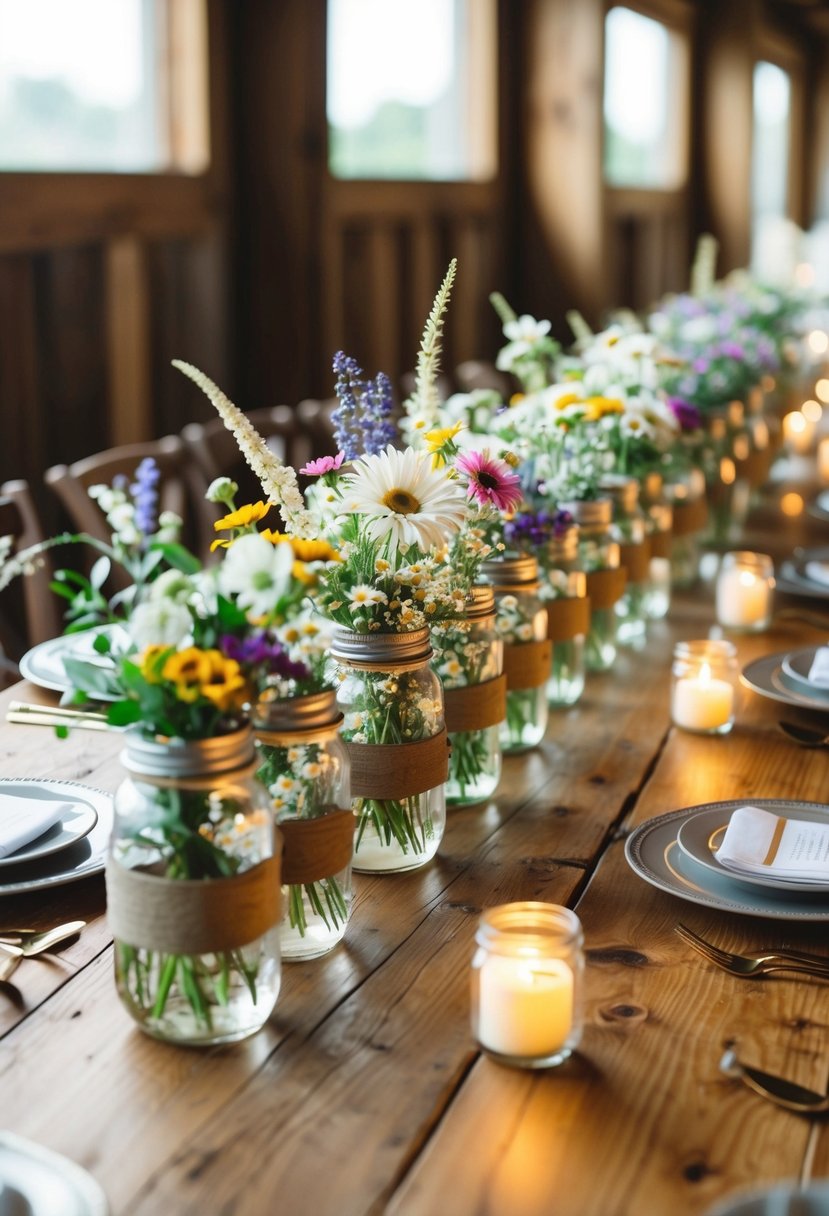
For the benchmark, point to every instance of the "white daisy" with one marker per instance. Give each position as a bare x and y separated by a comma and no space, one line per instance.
257,573
363,594
405,499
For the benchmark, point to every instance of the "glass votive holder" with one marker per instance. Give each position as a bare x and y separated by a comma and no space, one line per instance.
703,686
744,593
527,977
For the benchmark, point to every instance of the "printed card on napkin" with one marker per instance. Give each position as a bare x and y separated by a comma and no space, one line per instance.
24,819
760,842
819,671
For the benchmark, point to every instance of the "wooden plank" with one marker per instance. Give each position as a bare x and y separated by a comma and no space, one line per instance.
128,341
24,439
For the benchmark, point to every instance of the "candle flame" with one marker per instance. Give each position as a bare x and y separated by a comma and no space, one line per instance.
705,673
747,578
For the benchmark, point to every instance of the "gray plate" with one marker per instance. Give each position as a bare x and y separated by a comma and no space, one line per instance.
72,827
701,834
653,852
43,664
796,667
38,1182
766,677
820,507
79,860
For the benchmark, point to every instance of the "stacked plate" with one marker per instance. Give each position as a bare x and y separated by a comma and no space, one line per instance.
73,848
806,574
785,677
676,853
43,664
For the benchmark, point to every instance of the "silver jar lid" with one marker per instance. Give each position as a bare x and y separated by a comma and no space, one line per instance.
296,713
593,513
624,492
510,569
180,758
378,649
565,547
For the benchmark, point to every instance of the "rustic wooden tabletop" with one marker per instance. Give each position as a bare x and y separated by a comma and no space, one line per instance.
366,1093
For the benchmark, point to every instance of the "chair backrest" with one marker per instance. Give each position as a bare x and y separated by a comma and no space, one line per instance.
30,610
474,374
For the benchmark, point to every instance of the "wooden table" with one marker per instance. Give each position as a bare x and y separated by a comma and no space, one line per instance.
366,1093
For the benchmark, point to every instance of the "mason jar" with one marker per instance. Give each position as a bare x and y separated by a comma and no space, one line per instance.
521,624
304,766
704,686
659,519
685,493
527,979
564,592
469,660
193,889
745,592
600,559
395,735
629,529
728,489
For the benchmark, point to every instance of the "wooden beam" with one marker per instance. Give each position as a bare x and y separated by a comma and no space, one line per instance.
128,326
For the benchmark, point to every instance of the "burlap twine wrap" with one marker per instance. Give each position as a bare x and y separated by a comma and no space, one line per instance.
567,618
183,916
690,517
317,848
527,664
661,543
606,587
477,706
398,770
636,559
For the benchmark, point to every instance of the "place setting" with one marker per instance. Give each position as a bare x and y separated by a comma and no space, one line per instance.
45,664
798,678
806,573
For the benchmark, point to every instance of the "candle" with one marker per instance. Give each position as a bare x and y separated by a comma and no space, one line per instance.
744,591
798,432
702,703
526,1006
823,461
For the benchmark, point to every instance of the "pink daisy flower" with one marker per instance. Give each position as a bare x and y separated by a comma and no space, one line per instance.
490,480
324,464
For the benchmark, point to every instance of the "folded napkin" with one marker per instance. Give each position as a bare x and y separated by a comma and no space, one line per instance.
24,819
817,572
759,842
819,671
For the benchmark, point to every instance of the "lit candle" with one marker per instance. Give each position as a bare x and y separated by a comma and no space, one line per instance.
701,702
798,432
744,591
526,1005
823,461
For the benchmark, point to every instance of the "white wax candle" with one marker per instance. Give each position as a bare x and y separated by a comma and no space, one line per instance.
823,461
525,1005
743,598
702,703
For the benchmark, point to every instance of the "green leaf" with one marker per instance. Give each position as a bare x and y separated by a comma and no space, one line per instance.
102,643
124,713
99,573
62,732
177,556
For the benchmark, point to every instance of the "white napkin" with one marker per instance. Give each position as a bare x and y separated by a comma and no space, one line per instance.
760,842
24,819
819,671
817,572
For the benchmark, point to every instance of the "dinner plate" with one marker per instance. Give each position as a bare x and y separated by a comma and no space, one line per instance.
820,507
43,664
78,860
797,665
652,851
76,823
34,1181
766,677
701,834
791,582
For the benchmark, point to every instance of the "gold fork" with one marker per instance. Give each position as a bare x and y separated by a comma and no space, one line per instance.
757,964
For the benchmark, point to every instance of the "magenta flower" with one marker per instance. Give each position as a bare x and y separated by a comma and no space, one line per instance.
325,464
490,480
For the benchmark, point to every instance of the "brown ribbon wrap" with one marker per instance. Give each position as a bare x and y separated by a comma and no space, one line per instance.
567,618
398,770
690,517
606,587
661,543
527,664
185,916
477,706
317,848
636,558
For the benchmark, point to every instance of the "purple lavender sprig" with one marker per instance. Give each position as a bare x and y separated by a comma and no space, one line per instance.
144,491
362,423
269,657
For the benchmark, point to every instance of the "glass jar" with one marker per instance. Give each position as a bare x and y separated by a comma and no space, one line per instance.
521,624
744,595
629,530
527,979
303,764
659,518
686,496
564,591
193,890
396,739
727,488
704,686
600,559
469,660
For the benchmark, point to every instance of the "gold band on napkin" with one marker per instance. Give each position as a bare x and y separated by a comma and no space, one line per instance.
476,706
690,517
317,848
606,587
398,770
527,664
567,617
636,559
185,916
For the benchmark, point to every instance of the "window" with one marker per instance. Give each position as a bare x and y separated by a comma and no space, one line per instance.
412,89
645,102
770,148
99,85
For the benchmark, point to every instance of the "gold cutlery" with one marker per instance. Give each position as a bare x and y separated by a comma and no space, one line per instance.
55,715
775,1089
31,943
756,964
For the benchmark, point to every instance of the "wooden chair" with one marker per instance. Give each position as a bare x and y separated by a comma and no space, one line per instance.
181,486
474,374
30,609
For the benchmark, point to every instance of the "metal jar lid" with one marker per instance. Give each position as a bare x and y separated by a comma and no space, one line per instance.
623,490
480,603
563,548
593,513
378,649
296,713
510,570
180,758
